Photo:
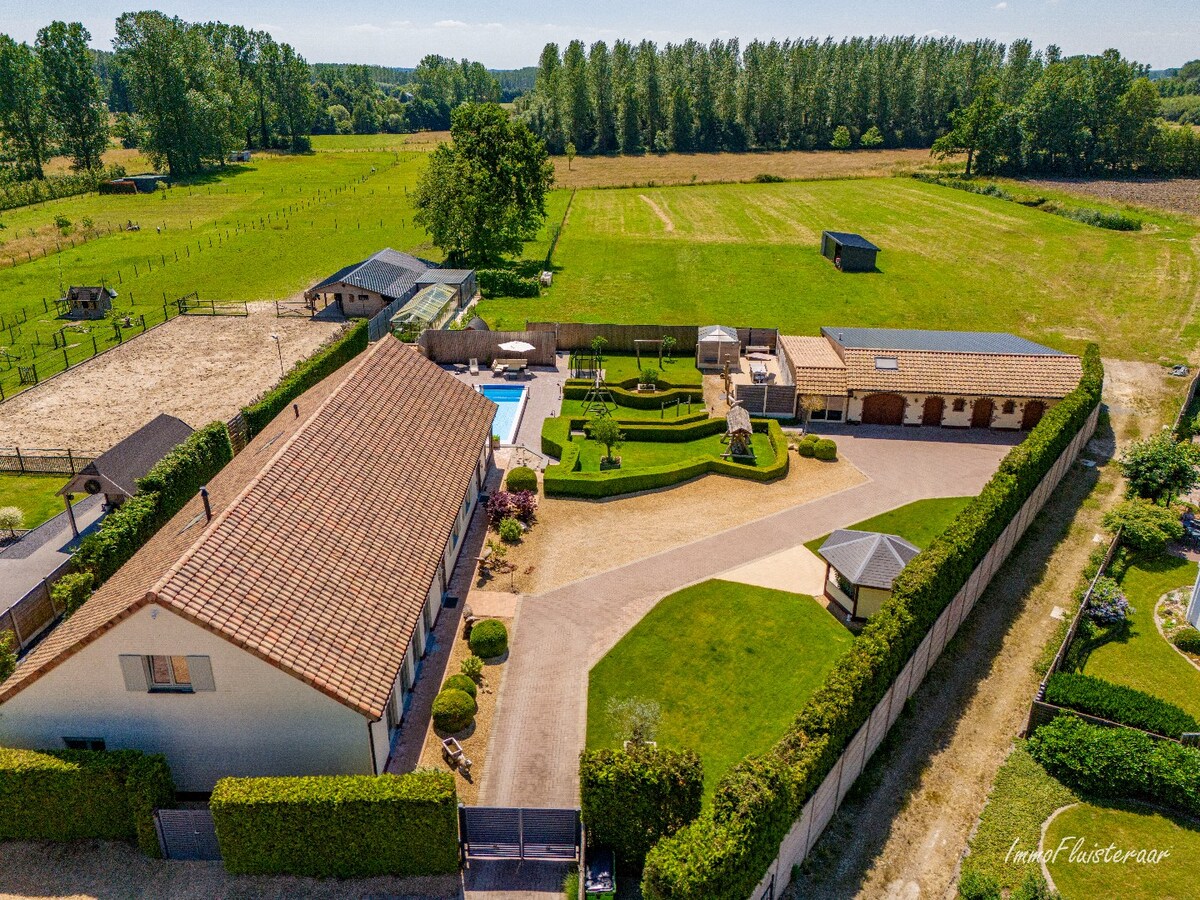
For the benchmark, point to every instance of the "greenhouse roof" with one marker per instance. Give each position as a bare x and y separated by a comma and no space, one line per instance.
428,304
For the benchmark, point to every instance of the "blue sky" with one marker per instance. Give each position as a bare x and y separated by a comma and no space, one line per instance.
510,33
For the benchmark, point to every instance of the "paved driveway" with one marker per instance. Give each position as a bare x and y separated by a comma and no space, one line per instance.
541,718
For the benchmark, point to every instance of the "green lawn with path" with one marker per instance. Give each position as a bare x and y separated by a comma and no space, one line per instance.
1141,657
1130,828
670,415
730,665
748,255
34,495
643,454
918,522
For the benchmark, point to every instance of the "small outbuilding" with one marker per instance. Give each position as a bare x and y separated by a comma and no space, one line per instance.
849,252
860,567
87,302
739,434
477,324
115,472
717,346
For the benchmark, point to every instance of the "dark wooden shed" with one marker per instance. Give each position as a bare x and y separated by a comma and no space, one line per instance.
87,302
849,252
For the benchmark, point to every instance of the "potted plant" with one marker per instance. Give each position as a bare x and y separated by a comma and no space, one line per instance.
495,441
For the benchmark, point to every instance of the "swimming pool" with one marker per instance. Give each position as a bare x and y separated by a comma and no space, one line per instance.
511,400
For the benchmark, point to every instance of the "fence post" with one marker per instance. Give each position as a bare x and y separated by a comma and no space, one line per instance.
20,460
71,461
66,359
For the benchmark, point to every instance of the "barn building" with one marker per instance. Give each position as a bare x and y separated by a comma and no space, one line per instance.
849,252
365,288
952,379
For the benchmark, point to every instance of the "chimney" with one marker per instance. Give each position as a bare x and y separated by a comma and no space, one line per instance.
207,507
296,409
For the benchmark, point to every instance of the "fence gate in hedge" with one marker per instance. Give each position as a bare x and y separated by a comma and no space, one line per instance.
186,834
493,832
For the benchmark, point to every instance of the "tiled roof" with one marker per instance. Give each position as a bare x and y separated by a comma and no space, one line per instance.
942,341
389,272
868,558
969,374
849,239
132,457
819,369
326,535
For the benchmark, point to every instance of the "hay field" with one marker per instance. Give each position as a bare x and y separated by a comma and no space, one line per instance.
748,254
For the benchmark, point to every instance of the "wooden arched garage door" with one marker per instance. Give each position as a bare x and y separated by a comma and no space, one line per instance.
883,409
935,408
1034,410
981,413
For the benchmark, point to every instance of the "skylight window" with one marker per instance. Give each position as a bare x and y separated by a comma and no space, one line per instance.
887,364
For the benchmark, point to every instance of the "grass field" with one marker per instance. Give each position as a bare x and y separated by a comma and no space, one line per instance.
747,254
1142,658
729,664
34,495
918,522
1086,827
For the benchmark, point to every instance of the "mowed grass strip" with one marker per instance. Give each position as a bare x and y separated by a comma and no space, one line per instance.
730,665
1140,657
918,522
35,495
1088,828
748,254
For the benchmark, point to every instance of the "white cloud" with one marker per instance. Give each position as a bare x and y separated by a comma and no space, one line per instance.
1000,5
449,23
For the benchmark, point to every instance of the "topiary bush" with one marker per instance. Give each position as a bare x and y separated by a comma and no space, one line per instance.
633,798
338,826
1118,703
472,667
807,449
825,450
453,710
461,683
522,478
489,639
1187,640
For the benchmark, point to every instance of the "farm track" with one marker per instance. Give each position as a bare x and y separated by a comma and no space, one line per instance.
902,832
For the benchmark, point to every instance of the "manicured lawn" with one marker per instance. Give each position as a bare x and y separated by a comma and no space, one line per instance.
1131,828
918,523
729,664
748,254
643,454
1141,658
618,368
34,495
574,409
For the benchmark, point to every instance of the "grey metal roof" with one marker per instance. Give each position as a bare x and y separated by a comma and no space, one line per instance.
389,273
131,458
868,558
445,276
936,341
849,239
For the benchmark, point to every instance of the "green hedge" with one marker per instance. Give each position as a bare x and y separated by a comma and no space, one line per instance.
1119,764
174,480
338,826
1118,703
489,639
304,375
505,283
622,396
66,795
631,799
725,853
563,481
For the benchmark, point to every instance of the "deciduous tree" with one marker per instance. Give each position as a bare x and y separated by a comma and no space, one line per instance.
74,94
24,115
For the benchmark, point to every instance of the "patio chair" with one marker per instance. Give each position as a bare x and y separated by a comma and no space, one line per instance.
473,366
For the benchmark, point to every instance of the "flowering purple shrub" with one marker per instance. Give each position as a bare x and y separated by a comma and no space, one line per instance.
1107,605
521,505
525,504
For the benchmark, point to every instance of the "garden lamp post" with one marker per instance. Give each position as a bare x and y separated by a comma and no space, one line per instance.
279,347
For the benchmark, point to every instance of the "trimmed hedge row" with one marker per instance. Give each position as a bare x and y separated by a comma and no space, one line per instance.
164,490
505,283
632,399
67,795
1119,764
563,481
726,851
1118,703
338,826
632,798
304,375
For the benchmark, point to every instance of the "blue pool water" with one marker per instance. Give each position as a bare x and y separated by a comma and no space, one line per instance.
511,400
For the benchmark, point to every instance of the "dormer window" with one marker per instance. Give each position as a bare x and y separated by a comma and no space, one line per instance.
887,364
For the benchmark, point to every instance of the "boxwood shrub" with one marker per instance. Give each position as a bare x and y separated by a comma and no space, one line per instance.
304,375
461,682
65,795
522,478
1187,640
338,826
1118,703
807,449
453,710
489,639
632,798
825,450
1119,763
724,853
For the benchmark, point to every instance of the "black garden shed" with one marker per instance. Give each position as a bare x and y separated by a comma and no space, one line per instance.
849,252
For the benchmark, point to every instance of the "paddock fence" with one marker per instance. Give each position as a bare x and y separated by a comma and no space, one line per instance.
43,462
824,803
192,305
448,347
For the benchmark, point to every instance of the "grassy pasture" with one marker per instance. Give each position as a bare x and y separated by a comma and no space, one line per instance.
748,254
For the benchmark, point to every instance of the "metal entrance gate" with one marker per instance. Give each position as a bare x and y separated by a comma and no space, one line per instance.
491,832
186,834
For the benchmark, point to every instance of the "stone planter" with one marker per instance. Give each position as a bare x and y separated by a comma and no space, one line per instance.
607,465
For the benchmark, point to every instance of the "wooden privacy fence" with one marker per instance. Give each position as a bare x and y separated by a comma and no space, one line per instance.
33,613
43,462
579,335
767,399
462,346
828,797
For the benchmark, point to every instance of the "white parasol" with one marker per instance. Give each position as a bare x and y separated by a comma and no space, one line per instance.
517,346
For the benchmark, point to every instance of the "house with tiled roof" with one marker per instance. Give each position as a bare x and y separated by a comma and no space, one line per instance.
364,288
274,627
953,379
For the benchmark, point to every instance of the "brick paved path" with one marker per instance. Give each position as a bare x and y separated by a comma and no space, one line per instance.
541,718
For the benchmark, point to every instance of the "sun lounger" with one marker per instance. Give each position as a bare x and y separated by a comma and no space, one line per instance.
473,368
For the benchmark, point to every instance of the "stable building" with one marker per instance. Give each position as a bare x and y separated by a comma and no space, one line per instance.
952,379
274,625
87,302
363,289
